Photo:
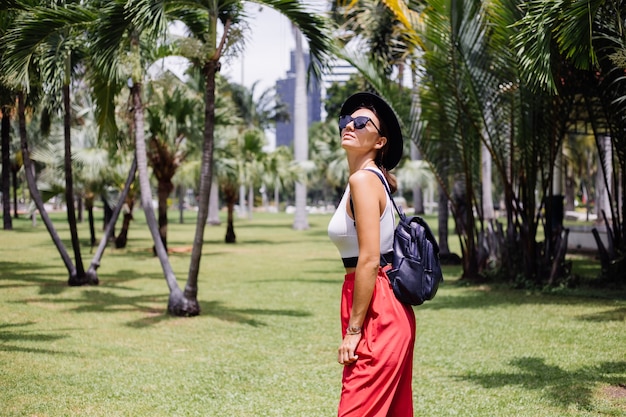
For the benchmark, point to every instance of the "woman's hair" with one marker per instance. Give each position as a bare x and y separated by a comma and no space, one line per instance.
391,179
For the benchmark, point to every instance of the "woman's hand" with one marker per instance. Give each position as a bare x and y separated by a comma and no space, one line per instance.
347,355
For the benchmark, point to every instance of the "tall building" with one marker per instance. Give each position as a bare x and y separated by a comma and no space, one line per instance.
340,72
285,89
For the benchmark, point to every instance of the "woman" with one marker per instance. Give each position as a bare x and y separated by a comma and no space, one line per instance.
378,330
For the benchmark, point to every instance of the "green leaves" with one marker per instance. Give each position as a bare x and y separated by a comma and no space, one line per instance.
42,36
556,29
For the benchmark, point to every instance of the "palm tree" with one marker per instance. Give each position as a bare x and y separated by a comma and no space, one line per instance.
260,110
280,172
121,31
205,50
42,36
32,185
474,98
240,158
453,131
261,113
576,50
579,152
103,170
376,27
173,126
58,63
227,176
92,163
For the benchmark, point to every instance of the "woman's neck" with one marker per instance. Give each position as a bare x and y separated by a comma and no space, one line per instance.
361,164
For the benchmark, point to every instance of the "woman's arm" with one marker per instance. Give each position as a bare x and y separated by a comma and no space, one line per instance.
368,198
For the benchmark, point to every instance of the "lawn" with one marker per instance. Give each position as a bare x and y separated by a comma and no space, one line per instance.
265,342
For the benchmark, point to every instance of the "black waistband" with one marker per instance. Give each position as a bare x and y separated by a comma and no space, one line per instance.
385,259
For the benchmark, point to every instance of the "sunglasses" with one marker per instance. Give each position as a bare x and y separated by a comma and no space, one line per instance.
359,122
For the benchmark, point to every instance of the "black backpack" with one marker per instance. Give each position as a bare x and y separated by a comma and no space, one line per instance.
415,274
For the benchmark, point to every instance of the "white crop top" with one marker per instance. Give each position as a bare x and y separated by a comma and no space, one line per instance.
342,231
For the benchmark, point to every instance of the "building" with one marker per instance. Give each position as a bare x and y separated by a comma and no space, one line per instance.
285,89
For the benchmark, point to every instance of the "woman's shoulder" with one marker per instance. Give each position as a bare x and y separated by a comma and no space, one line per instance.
364,179
365,174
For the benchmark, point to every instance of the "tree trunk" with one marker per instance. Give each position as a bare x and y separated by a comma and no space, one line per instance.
242,202
14,176
265,202
442,218
300,123
164,189
79,209
177,303
34,192
69,191
95,261
416,155
418,192
92,228
214,207
230,197
250,201
181,204
603,179
108,214
486,180
470,254
6,168
122,238
206,179
569,183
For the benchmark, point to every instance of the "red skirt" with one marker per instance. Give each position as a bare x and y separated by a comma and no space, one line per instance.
378,384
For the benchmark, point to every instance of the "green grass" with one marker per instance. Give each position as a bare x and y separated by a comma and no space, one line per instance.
265,342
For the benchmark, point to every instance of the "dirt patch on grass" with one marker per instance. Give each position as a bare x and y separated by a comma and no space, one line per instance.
180,249
614,396
614,392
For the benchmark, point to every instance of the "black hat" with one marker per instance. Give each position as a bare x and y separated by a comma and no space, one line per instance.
387,116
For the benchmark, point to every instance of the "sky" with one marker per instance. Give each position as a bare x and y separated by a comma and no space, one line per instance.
266,55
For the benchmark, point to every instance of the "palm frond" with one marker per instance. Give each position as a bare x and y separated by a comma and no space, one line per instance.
37,35
574,32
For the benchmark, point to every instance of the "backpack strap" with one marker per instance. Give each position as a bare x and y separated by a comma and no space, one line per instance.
382,179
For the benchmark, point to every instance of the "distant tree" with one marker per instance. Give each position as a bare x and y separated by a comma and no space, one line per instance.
279,172
240,160
329,158
174,126
260,112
